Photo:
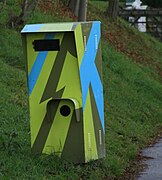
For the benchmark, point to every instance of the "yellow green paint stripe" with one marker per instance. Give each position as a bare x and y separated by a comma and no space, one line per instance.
68,78
59,130
79,43
89,133
38,110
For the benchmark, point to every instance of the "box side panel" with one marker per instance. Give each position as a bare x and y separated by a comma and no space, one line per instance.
92,92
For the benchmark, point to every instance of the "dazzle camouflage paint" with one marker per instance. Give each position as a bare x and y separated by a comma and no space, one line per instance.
64,76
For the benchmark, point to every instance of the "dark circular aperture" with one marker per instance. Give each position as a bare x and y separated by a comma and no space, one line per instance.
65,110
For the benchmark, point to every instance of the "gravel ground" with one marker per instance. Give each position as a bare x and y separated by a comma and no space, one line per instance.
153,162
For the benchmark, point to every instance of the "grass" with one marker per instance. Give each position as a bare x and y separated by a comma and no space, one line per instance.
132,108
133,104
11,48
141,48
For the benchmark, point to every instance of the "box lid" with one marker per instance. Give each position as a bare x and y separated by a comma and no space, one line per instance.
50,27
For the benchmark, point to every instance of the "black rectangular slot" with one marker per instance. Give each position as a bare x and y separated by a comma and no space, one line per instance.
47,45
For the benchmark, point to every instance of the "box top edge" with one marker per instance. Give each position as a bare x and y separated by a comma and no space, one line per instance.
53,27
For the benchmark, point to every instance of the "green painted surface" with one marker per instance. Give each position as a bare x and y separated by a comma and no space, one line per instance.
89,132
37,110
57,27
74,145
57,135
67,79
31,54
79,43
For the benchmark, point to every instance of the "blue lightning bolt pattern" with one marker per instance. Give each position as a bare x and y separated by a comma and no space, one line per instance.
37,66
88,71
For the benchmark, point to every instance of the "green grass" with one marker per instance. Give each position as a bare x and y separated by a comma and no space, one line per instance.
11,48
133,108
141,48
133,112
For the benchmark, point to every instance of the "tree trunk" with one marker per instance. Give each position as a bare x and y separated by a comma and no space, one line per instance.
112,10
25,5
76,12
82,16
5,1
74,6
27,9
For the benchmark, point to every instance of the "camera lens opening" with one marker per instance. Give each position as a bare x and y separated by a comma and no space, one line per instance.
65,110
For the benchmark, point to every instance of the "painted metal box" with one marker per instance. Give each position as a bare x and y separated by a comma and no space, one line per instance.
64,74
